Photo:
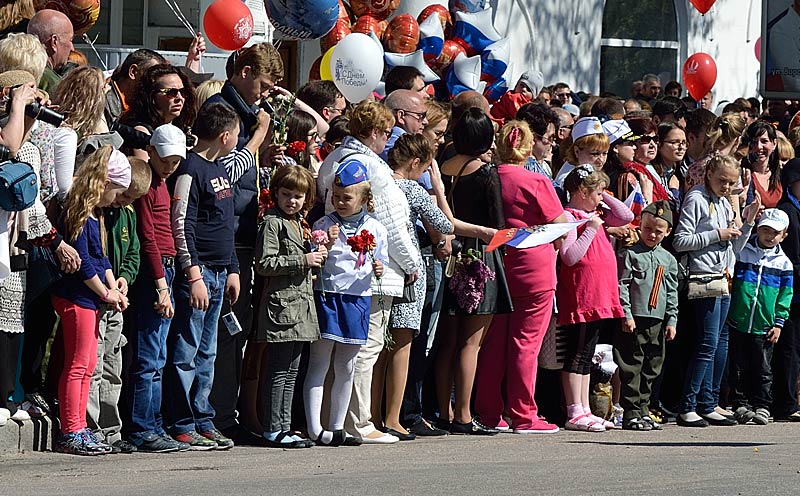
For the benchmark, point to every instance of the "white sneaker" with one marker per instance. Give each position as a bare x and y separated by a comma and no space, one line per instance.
5,414
21,415
384,439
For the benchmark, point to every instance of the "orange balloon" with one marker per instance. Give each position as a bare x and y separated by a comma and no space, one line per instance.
82,13
402,34
313,73
379,9
335,35
367,23
450,51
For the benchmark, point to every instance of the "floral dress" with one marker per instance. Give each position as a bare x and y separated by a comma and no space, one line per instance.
409,315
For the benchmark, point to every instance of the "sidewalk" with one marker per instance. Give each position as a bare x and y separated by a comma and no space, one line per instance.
29,435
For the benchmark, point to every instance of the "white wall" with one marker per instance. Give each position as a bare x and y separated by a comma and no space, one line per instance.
562,39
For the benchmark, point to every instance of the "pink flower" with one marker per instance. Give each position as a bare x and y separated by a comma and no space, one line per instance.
319,237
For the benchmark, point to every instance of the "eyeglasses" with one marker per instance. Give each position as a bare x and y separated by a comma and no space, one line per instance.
314,135
562,95
598,154
438,134
420,116
338,111
171,92
677,143
388,133
547,140
646,140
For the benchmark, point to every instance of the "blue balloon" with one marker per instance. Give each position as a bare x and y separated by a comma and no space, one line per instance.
303,19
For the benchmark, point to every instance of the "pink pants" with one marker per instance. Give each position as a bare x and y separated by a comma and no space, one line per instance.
80,332
510,351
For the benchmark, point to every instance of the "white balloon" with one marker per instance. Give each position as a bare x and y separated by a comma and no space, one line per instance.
468,71
415,7
356,66
414,59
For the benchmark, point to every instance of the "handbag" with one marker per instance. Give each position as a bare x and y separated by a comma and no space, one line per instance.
707,286
43,271
455,252
18,186
409,295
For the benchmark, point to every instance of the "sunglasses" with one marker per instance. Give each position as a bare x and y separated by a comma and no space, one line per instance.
171,92
646,140
420,116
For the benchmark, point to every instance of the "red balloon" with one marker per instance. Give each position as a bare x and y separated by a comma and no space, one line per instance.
699,74
379,9
702,6
402,34
344,11
450,51
313,73
228,24
367,23
335,35
82,13
757,49
444,16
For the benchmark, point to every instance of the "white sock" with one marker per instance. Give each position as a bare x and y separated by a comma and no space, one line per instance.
691,416
344,361
318,362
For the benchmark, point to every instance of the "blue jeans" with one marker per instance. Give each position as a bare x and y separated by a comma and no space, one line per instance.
707,365
192,350
149,355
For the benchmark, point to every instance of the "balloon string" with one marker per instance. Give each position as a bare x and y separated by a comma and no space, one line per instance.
749,18
182,18
90,42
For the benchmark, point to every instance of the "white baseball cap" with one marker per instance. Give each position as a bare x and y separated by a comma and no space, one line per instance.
585,127
169,140
774,218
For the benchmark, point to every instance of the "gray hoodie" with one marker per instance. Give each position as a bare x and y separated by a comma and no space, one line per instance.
702,216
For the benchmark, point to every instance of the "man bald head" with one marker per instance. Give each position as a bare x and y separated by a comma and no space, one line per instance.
409,110
55,32
565,122
467,100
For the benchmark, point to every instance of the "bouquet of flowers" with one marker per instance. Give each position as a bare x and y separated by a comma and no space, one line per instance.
283,105
265,203
469,280
363,244
296,150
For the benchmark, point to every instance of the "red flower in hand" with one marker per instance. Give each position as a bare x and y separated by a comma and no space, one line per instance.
265,202
362,243
296,149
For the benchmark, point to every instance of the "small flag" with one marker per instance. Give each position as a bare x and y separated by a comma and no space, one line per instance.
528,237
635,202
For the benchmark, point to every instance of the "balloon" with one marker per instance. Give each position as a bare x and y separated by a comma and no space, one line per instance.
356,65
228,24
474,31
416,59
379,9
402,34
431,37
499,88
702,6
495,59
467,5
450,50
758,49
366,24
465,74
82,13
344,11
699,74
335,35
302,19
444,16
313,73
325,65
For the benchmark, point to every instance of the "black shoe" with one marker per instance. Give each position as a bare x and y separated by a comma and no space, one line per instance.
338,438
123,446
302,443
694,423
424,428
352,441
399,435
442,424
473,427
243,437
39,404
153,443
724,421
792,417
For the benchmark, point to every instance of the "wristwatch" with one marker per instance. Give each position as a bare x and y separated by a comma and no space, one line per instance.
441,244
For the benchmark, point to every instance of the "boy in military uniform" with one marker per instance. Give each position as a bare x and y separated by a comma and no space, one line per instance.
648,289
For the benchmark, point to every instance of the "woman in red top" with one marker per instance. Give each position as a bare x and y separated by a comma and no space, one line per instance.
762,170
511,347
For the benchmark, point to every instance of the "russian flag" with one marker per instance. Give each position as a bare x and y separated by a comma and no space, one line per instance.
474,31
635,202
528,237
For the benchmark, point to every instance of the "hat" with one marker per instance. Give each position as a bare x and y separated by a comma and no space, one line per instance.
533,79
573,109
119,169
619,130
791,172
349,173
774,218
194,77
660,210
13,78
585,127
169,140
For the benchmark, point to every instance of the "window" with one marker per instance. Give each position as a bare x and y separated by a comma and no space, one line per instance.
639,37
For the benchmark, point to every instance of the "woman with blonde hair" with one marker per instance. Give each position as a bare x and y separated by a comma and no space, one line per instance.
508,360
206,89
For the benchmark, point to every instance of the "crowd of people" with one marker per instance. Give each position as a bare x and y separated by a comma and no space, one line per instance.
202,269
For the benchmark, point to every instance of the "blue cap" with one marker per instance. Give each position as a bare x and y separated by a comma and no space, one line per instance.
350,172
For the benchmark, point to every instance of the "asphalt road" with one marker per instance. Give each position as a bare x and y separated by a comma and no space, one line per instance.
741,460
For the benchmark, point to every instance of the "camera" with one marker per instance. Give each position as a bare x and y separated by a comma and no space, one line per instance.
39,112
5,153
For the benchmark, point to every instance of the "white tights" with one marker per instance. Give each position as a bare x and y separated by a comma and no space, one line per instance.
344,359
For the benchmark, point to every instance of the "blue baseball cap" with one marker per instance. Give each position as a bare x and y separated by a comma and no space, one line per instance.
350,172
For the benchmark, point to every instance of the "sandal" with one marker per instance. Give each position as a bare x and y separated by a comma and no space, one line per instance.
337,439
636,424
609,425
289,444
584,422
654,425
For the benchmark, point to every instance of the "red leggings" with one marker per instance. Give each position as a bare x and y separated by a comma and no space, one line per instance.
80,332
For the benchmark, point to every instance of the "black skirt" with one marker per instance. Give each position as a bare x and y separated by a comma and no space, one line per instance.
497,297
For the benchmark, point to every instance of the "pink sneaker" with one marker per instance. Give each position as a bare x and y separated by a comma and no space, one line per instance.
503,426
538,426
